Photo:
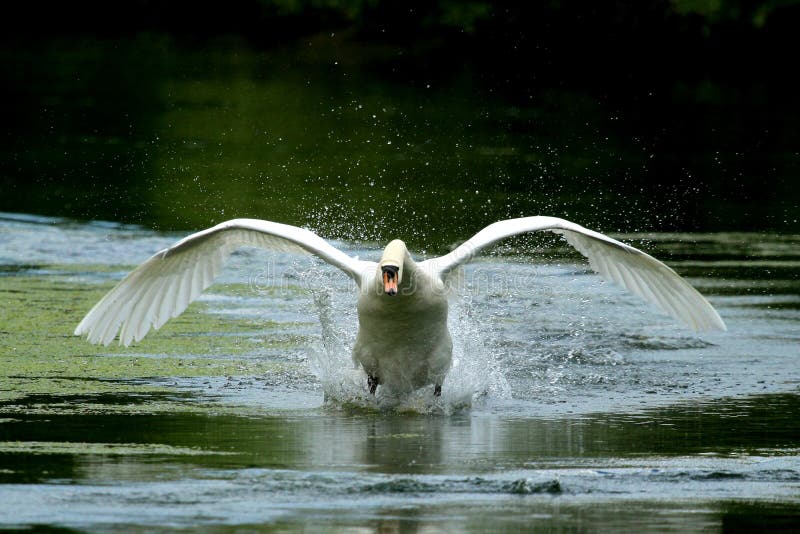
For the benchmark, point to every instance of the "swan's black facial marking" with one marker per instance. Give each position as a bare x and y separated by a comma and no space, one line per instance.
390,279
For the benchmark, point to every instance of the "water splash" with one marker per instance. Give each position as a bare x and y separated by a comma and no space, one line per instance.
474,375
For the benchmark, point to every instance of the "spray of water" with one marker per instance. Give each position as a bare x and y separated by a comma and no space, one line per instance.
474,375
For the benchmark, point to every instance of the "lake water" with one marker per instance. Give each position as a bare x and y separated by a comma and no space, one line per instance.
571,406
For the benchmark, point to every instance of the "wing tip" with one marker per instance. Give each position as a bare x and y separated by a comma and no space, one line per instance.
711,322
718,325
92,336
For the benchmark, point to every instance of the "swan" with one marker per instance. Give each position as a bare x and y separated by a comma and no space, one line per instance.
403,342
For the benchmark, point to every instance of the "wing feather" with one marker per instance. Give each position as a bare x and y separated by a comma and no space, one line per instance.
167,305
615,261
163,286
133,311
147,309
644,287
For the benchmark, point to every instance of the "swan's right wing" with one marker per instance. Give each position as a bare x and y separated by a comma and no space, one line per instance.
164,285
617,262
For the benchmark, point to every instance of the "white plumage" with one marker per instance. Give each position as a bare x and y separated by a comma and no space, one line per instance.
164,285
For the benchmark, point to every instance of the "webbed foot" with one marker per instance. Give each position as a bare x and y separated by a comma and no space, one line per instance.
372,382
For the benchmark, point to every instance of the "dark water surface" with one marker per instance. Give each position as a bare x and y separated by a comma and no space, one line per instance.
572,406
371,142
684,467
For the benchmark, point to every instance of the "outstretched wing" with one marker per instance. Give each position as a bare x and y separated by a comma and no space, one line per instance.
623,264
164,285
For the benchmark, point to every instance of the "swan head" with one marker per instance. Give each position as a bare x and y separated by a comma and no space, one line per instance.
394,255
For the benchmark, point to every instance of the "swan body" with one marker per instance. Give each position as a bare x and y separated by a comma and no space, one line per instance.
403,342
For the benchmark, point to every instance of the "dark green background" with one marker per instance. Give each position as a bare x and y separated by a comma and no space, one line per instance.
423,120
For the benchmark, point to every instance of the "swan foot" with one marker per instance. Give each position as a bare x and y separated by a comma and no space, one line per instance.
437,390
372,382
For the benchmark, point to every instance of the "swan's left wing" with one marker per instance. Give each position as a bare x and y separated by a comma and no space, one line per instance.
623,264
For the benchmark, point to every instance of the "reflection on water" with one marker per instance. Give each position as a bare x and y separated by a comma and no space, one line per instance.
145,131
476,443
336,467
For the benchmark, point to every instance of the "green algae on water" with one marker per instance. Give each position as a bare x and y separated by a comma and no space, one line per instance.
107,449
40,356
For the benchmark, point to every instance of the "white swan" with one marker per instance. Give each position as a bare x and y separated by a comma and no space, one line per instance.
403,341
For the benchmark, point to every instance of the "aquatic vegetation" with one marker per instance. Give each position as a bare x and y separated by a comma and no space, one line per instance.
106,449
40,356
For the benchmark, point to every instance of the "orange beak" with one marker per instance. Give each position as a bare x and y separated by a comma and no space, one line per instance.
390,283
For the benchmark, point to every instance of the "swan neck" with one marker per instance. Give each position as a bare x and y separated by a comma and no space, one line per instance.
396,255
